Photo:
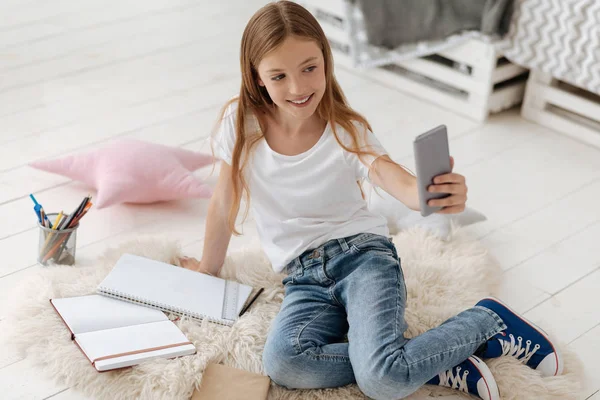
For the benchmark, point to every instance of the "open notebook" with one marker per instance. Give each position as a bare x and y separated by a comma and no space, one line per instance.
173,289
115,334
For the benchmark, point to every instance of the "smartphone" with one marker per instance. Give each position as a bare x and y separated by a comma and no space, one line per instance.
432,158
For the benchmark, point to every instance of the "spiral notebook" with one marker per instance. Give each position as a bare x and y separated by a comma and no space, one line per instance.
176,290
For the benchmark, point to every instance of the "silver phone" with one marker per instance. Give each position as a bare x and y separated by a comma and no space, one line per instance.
432,158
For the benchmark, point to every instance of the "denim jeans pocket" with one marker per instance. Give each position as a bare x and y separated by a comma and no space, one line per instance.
374,242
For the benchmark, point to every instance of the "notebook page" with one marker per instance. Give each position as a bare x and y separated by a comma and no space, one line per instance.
174,288
132,338
95,312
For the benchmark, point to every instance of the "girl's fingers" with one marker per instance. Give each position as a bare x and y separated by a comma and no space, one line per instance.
449,178
447,188
451,210
455,200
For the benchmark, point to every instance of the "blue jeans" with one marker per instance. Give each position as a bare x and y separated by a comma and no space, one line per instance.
355,286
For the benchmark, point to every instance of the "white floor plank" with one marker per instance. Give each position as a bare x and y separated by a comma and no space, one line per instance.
564,262
500,133
587,348
79,102
93,26
571,312
469,143
522,180
403,117
34,15
18,382
520,293
8,284
155,40
8,355
29,97
15,5
545,228
69,394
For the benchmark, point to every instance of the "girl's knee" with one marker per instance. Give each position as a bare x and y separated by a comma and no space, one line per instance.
289,368
379,385
384,389
280,362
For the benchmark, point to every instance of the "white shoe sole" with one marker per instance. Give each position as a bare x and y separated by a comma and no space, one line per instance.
490,382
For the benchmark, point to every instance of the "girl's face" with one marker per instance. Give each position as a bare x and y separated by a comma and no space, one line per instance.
294,76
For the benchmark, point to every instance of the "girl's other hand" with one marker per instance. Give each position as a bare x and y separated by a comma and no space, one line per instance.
189,263
193,264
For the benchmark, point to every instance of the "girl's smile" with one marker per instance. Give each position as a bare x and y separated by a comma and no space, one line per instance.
302,101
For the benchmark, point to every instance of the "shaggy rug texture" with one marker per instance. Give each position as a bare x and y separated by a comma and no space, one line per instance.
443,278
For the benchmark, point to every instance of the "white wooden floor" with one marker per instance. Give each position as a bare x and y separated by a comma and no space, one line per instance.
76,74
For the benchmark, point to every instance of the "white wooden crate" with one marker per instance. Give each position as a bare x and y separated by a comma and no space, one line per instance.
562,107
471,79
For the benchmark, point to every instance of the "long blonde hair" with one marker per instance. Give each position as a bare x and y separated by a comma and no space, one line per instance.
266,30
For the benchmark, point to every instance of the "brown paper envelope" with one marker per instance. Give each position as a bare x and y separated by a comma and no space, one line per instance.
227,383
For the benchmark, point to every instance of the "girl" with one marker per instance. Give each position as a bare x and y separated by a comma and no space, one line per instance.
292,144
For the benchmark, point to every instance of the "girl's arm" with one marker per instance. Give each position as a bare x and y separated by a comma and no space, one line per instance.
217,233
395,180
401,184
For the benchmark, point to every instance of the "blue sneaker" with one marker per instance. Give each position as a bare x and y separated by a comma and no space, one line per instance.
471,376
522,340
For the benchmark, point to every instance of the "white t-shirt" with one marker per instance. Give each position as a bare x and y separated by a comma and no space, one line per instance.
300,202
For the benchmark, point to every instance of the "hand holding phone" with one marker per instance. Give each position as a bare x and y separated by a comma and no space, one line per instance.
432,158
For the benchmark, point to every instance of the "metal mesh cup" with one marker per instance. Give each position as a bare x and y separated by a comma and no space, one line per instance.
56,246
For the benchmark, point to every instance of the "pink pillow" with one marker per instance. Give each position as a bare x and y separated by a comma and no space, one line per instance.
133,171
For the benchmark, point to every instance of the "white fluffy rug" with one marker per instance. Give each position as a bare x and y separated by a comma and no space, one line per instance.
443,278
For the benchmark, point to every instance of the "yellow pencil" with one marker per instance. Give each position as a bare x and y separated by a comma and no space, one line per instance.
58,218
54,226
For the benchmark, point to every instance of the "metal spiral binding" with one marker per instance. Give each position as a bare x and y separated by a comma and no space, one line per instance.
163,307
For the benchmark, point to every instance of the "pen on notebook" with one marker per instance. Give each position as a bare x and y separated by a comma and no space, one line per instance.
251,301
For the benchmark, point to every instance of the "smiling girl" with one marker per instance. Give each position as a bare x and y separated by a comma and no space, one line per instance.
291,143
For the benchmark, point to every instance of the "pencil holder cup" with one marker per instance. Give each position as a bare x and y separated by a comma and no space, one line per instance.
56,246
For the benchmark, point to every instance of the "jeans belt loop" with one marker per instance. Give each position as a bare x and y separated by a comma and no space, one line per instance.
343,244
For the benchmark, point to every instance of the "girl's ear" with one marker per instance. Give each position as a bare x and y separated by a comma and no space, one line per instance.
260,82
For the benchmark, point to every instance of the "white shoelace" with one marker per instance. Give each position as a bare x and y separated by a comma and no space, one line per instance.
515,348
454,381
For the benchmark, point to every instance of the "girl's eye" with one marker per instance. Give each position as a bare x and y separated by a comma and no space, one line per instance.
310,69
278,77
